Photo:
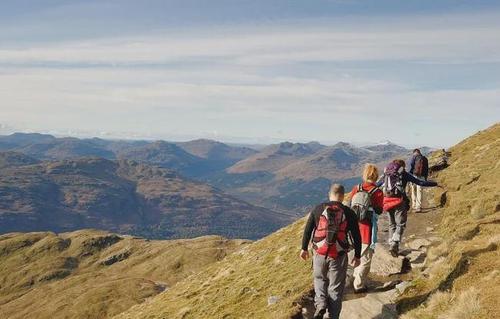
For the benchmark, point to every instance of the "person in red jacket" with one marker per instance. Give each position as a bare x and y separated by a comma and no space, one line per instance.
368,226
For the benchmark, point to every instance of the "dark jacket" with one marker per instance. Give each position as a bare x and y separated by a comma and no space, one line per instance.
352,226
425,168
409,178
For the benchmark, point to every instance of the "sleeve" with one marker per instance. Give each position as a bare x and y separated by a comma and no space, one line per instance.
306,237
412,164
353,228
412,179
353,192
378,201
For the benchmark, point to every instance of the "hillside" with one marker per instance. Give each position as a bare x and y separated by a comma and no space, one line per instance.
218,152
164,154
463,275
459,272
93,274
275,157
123,196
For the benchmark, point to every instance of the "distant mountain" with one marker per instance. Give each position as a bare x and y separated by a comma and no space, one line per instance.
219,154
274,157
9,159
163,154
123,196
193,158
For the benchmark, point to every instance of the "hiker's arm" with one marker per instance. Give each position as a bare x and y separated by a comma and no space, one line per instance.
378,202
412,179
380,181
353,228
308,231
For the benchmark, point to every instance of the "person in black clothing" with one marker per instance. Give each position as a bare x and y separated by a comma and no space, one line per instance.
329,225
419,167
398,215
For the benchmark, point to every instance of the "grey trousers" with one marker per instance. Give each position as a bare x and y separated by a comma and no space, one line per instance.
329,282
397,217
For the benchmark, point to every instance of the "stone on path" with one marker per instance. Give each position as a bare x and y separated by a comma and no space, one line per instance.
419,243
378,305
383,264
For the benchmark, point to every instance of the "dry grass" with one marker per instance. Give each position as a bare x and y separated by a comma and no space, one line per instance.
239,286
43,275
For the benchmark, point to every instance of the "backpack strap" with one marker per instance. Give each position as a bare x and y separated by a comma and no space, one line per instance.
373,190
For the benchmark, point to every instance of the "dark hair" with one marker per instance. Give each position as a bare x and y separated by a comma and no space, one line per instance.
400,162
416,151
337,189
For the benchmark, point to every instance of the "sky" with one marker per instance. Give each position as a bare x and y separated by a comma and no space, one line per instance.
415,72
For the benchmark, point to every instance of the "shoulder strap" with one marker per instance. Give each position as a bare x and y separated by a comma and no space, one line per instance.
373,190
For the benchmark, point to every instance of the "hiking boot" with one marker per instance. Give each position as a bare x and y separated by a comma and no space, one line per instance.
319,313
394,251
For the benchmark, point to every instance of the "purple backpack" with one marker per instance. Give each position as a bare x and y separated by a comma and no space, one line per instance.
393,180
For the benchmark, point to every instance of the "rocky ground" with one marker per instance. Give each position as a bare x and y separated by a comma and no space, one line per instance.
390,276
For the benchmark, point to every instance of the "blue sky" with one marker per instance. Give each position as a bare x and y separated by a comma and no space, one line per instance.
414,72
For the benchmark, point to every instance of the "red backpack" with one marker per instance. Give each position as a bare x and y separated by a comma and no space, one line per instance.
330,234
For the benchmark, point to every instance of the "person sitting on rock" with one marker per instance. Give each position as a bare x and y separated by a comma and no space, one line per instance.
419,167
367,201
396,201
329,225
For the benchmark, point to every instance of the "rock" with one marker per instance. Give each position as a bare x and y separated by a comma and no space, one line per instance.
271,300
429,229
384,264
419,243
115,258
403,286
416,256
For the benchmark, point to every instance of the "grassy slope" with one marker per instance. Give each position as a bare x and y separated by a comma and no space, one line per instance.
239,285
43,275
463,280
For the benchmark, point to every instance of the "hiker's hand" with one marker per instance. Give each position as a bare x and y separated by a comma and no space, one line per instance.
304,254
355,262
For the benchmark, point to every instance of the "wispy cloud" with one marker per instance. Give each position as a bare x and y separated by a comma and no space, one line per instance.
296,80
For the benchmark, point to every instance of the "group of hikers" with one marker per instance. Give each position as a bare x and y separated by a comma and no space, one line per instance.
334,227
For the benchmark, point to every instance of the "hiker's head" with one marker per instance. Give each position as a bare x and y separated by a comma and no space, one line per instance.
416,152
400,162
370,173
336,193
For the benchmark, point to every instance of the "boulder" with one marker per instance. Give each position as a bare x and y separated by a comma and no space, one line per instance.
419,243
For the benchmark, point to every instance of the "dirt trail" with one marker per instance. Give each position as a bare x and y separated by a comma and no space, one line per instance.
386,283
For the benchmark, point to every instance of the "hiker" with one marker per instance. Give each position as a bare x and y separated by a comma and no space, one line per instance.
329,225
419,167
396,201
367,201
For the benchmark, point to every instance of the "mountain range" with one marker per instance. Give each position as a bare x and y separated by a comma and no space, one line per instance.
123,196
88,182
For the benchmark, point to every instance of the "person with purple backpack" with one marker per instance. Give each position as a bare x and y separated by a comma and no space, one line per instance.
396,202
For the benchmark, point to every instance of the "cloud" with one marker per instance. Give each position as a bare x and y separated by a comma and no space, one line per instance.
297,80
